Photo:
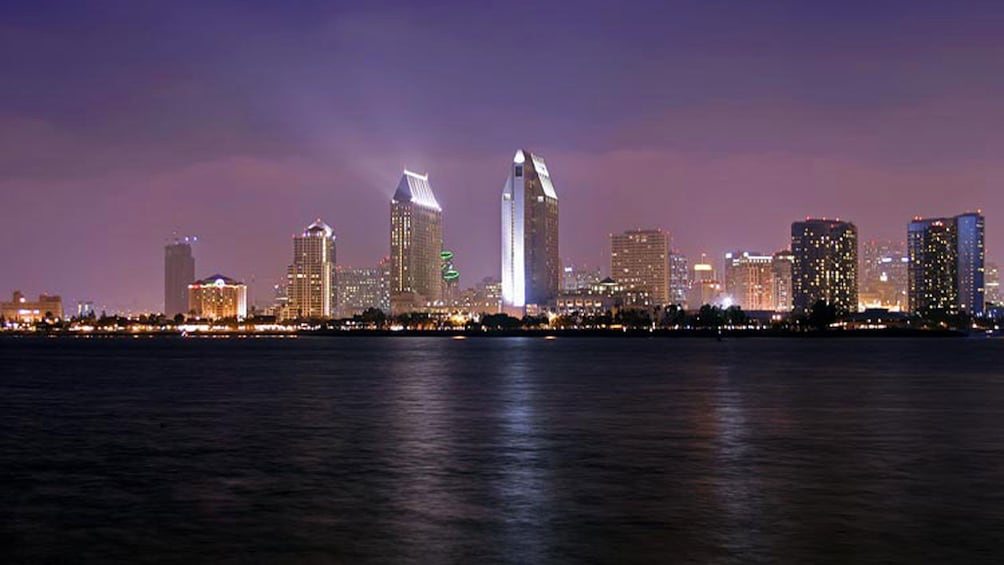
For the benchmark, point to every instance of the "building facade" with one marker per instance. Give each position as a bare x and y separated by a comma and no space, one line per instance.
946,269
993,285
883,281
679,277
749,280
416,241
179,272
825,265
360,289
310,278
531,265
20,310
218,297
781,265
639,260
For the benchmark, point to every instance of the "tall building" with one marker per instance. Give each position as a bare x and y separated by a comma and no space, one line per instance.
749,280
639,260
705,287
781,265
993,285
218,297
825,264
883,278
360,289
179,271
310,279
416,241
531,266
679,277
946,273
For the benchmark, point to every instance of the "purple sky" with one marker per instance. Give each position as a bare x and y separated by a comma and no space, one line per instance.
122,122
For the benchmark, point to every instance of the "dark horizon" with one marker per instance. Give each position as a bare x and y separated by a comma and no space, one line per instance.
241,123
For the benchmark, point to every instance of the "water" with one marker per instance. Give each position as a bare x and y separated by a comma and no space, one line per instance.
518,450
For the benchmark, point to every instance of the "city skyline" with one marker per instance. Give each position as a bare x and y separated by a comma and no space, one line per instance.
795,111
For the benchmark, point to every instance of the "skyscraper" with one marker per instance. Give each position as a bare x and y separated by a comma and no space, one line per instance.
781,265
946,273
416,241
993,284
749,280
531,266
310,279
639,260
679,277
825,264
179,271
882,280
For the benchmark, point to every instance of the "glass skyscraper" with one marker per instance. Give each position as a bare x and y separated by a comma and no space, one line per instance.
416,241
179,272
946,272
531,266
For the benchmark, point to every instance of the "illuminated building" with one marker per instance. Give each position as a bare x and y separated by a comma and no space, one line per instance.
608,295
993,284
781,266
946,272
416,240
360,289
640,261
85,309
23,311
749,280
679,277
705,287
218,297
179,271
883,279
531,266
825,264
310,279
576,277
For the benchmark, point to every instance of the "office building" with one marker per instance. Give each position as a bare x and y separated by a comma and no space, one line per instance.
781,264
179,272
416,241
531,266
20,310
639,260
310,279
825,264
749,280
576,277
679,277
218,298
946,270
705,288
993,285
360,289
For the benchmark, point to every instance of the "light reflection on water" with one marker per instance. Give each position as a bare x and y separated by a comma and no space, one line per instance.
502,450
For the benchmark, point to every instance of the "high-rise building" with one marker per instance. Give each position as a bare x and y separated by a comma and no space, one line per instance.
993,285
946,273
705,287
639,260
531,266
360,289
883,277
781,265
310,279
825,264
679,277
749,280
416,241
218,297
179,271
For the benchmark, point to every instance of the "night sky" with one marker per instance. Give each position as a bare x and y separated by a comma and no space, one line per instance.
241,122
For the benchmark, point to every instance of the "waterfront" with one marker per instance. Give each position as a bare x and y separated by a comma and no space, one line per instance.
506,449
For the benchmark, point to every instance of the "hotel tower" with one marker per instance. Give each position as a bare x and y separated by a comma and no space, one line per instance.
416,241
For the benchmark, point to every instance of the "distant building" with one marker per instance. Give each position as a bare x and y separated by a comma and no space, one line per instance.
576,277
825,264
639,259
23,311
993,284
679,277
310,279
781,265
705,288
218,297
416,240
531,265
883,279
749,280
360,289
179,272
947,270
85,309
605,296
